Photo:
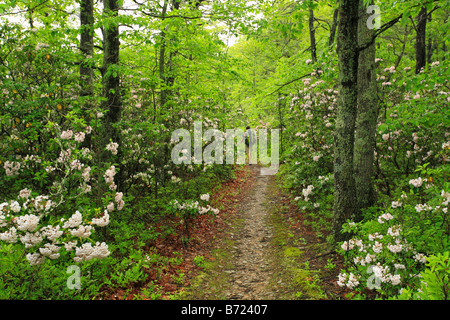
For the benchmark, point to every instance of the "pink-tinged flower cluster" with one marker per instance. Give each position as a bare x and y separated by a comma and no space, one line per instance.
307,192
21,219
49,239
195,206
12,168
349,280
416,182
88,252
77,136
109,177
67,135
113,147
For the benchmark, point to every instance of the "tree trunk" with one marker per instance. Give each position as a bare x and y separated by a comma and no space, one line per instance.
420,39
163,153
366,119
111,79
312,36
333,28
444,51
162,60
344,195
86,45
111,84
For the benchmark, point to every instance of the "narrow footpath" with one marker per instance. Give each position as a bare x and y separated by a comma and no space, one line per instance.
251,272
265,253
243,266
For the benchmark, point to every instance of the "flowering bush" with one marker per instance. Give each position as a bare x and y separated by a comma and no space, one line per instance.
410,220
388,253
380,259
189,210
40,223
411,127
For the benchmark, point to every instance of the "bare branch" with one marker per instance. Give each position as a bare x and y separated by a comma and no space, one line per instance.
383,28
288,83
387,25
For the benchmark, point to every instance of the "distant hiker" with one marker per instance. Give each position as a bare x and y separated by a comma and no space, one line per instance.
249,138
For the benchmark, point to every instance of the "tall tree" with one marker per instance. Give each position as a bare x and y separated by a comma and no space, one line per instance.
421,39
86,45
111,79
366,119
162,57
344,183
312,34
333,28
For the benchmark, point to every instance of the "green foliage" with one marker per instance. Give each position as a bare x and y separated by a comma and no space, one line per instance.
189,210
20,281
282,86
41,100
175,69
199,261
388,249
434,280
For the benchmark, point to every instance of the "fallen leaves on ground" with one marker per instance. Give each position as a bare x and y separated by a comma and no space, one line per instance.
205,230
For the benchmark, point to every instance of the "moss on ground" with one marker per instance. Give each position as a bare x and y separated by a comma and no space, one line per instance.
293,277
213,282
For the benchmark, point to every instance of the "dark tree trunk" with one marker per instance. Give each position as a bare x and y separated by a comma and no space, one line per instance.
333,28
111,85
162,60
444,51
345,206
312,36
420,39
87,50
86,45
366,120
111,79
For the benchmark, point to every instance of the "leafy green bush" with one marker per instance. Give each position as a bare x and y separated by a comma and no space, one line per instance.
189,210
435,282
388,252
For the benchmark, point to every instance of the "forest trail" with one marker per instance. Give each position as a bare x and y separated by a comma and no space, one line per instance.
251,273
243,266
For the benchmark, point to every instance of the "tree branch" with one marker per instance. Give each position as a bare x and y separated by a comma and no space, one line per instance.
389,24
383,28
26,10
288,83
170,16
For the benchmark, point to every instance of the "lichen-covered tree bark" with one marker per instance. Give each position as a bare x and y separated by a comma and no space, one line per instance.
111,82
366,120
345,205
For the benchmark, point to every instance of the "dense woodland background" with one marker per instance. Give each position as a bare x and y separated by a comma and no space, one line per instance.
91,92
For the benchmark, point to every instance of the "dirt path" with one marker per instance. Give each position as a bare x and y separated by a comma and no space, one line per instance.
251,273
242,264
